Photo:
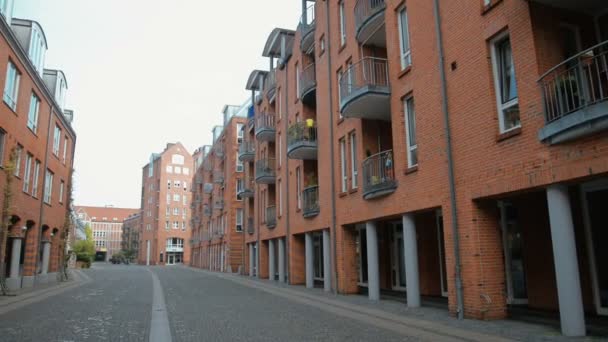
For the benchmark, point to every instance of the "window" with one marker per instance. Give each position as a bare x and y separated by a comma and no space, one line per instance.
5,9
36,176
404,39
239,188
65,149
176,211
410,130
169,169
177,170
280,150
177,159
354,172
37,49
186,171
184,213
48,186
18,152
239,133
56,140
239,165
280,198
342,24
343,164
168,211
28,172
505,84
177,184
32,116
185,200
297,81
299,187
167,225
175,224
239,219
185,187
61,186
11,86
168,198
183,225
169,184
176,198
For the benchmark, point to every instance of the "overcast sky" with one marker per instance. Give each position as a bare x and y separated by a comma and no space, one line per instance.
142,73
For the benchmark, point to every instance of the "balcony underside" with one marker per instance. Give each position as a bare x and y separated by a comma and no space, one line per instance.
384,188
589,6
369,102
308,39
579,124
265,134
247,156
309,95
247,193
303,150
309,213
371,31
265,179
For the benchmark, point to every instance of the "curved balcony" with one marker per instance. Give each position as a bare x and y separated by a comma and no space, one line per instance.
199,179
218,205
369,19
264,127
306,28
208,188
265,171
218,177
365,91
270,86
308,85
310,201
219,150
378,175
206,210
574,95
302,140
271,216
250,226
207,165
248,190
246,151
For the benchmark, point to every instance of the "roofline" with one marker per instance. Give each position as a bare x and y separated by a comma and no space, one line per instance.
272,38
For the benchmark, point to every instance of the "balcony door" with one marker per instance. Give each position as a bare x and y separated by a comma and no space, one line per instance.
595,197
513,249
397,257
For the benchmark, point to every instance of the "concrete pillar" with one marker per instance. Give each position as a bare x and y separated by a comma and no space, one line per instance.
326,261
251,260
566,262
148,253
373,273
410,251
46,256
309,260
271,261
282,260
13,282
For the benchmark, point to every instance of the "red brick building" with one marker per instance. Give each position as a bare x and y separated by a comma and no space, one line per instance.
131,226
219,191
35,128
445,150
165,207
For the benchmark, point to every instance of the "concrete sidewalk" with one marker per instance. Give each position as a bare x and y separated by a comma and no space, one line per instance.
25,297
396,316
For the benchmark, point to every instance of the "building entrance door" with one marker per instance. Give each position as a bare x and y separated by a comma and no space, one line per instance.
397,257
170,259
513,248
595,197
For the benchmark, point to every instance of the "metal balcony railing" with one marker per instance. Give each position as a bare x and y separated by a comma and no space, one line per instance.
378,175
265,127
308,80
265,170
218,177
248,189
208,188
306,26
246,151
271,216
206,210
270,84
218,205
367,9
576,83
219,150
199,179
310,201
302,140
250,123
207,165
250,226
368,72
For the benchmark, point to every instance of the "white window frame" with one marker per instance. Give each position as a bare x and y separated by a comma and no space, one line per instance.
175,211
502,107
240,133
36,178
354,167
28,172
32,115
405,54
239,220
175,224
342,23
176,198
240,181
48,186
299,187
61,186
18,153
65,150
280,198
56,140
411,148
11,86
239,165
344,176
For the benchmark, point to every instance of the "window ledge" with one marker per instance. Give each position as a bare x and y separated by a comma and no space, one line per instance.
342,47
340,120
410,170
405,71
353,190
509,134
11,108
493,3
343,194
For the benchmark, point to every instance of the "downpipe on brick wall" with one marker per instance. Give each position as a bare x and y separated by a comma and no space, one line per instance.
451,181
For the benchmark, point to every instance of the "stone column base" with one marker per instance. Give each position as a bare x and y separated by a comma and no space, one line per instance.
52,277
28,282
13,284
42,278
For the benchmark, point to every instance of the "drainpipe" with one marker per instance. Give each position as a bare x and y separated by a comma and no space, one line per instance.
288,228
46,159
451,181
332,153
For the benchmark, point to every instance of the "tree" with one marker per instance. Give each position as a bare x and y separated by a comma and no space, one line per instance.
65,233
85,249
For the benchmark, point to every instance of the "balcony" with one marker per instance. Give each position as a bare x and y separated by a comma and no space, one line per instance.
306,28
218,177
378,175
207,165
271,216
199,179
310,201
574,96
219,150
302,141
251,122
247,151
265,128
308,85
206,210
250,226
265,171
589,6
270,86
365,91
218,205
248,190
208,188
369,22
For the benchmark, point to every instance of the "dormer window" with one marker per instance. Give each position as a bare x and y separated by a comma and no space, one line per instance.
6,9
63,87
37,49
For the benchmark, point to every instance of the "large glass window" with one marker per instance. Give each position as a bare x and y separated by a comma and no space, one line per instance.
56,140
32,116
28,172
37,49
342,24
11,86
35,180
410,129
404,39
354,172
239,220
48,186
343,175
505,83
